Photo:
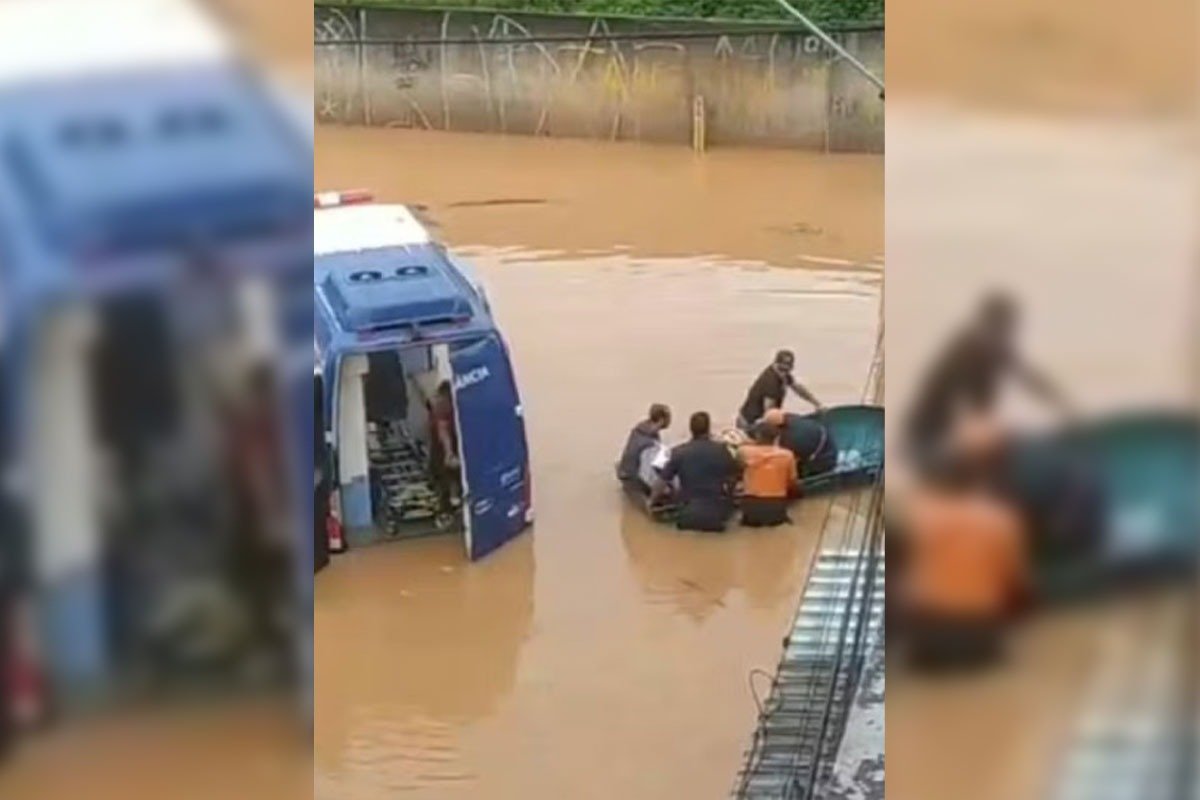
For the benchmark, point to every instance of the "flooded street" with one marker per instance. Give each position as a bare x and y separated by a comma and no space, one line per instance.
601,656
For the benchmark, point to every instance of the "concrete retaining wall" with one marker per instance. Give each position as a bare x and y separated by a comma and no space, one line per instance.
764,88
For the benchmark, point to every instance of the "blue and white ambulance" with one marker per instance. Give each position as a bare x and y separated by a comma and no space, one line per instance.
396,317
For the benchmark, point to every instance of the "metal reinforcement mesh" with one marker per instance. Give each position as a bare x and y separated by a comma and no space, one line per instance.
801,722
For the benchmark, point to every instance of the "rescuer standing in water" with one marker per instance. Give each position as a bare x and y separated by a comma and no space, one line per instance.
808,440
646,434
769,388
706,471
965,568
770,479
967,374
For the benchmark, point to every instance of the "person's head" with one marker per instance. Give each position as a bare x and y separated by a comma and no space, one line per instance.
998,316
660,416
785,362
765,433
775,417
700,425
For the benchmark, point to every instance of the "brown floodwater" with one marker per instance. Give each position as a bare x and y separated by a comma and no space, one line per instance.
1059,59
599,656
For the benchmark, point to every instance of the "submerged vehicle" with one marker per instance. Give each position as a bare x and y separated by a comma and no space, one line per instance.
402,328
847,453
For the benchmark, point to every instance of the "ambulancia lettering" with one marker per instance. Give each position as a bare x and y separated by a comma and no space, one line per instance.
470,378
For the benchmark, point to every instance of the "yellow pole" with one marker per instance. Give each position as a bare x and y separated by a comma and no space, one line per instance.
698,124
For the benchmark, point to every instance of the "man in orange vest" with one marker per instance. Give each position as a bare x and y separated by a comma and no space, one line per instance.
770,478
965,561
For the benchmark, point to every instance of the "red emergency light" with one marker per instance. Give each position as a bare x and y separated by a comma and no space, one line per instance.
347,198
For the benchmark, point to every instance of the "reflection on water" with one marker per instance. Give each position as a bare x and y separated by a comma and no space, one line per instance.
619,667
694,575
414,643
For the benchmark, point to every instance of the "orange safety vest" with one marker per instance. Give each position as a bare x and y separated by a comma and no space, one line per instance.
770,471
966,556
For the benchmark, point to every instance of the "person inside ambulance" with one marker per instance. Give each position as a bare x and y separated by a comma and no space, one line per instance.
965,565
808,439
706,473
769,480
444,461
644,437
769,389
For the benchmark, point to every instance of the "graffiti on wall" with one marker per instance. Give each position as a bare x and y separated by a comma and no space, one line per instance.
488,78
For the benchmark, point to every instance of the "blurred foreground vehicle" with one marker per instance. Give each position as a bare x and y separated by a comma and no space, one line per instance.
155,315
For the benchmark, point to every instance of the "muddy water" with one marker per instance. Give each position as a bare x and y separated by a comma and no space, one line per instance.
1062,58
588,198
600,656
244,748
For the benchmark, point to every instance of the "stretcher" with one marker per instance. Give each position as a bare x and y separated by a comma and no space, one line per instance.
399,468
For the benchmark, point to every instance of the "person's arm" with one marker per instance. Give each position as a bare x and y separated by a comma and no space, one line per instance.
447,444
446,438
794,487
666,477
1041,385
802,391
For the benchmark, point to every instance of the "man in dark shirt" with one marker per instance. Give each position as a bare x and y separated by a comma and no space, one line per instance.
769,388
966,377
810,441
706,471
645,434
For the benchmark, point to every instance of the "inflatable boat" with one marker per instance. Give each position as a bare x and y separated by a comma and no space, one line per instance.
849,451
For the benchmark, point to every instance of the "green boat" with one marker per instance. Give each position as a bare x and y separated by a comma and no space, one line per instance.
854,432
1111,501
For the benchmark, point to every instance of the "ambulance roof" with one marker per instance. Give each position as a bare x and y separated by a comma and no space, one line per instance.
354,228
